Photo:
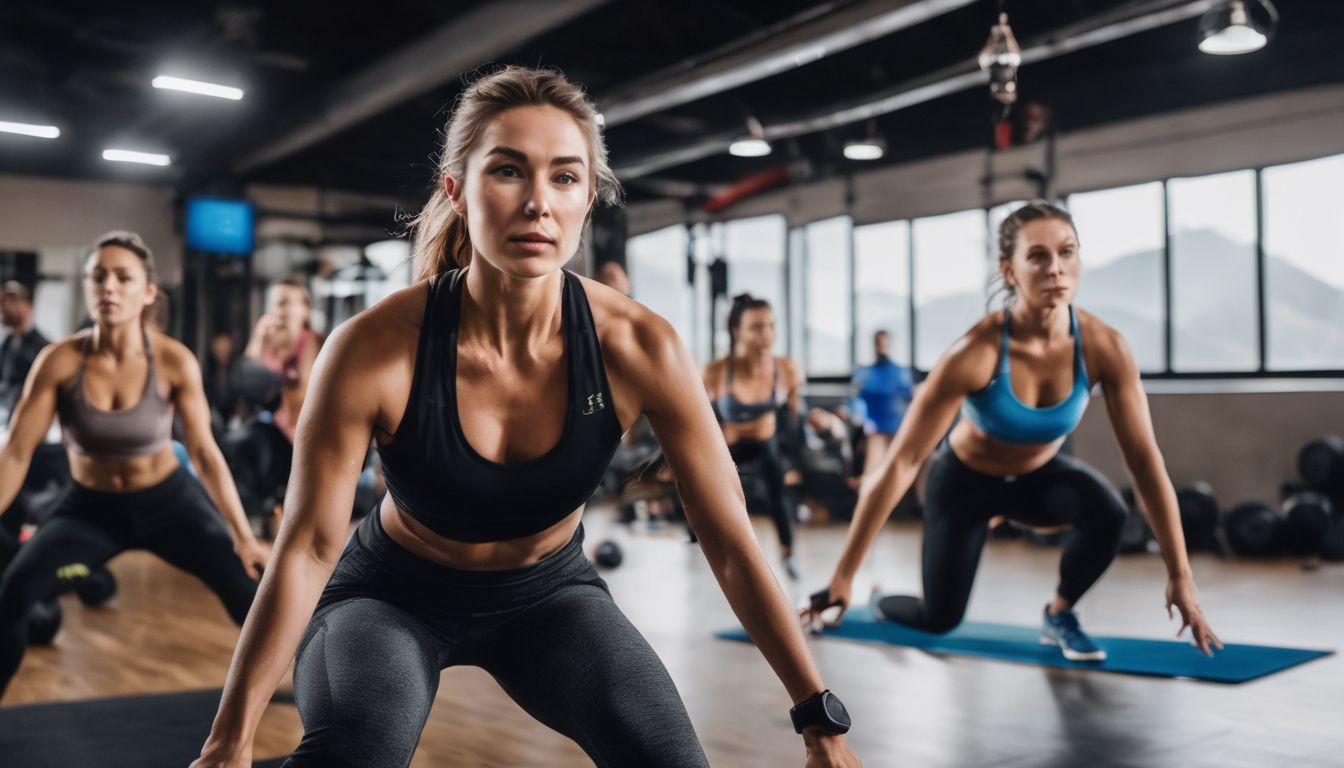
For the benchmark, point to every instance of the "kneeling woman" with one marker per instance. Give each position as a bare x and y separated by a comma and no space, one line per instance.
115,387
1024,378
497,389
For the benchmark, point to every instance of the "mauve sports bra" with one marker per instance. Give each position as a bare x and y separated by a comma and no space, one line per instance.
143,429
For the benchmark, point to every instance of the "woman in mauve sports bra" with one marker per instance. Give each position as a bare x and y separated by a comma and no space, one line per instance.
1003,456
497,389
115,387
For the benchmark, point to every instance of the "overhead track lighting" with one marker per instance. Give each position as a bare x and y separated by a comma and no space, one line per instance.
1230,28
29,129
1001,57
870,148
168,82
132,156
754,144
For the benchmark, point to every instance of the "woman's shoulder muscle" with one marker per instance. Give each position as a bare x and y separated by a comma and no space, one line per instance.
58,362
1105,346
968,364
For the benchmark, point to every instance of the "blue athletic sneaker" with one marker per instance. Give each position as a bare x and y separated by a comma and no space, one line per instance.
1062,629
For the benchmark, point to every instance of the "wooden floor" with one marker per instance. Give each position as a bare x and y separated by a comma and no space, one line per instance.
165,632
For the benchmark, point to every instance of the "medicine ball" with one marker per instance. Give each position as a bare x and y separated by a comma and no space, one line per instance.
1254,529
608,554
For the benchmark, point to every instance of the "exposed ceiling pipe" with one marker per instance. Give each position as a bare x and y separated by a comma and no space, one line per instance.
477,35
1128,20
803,40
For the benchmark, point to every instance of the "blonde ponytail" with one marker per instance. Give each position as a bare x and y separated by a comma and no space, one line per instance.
440,241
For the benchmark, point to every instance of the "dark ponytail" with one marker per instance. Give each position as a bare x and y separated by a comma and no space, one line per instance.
741,303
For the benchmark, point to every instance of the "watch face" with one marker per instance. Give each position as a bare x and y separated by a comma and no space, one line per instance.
835,709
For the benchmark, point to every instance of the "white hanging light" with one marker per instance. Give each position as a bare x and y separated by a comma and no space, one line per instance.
753,144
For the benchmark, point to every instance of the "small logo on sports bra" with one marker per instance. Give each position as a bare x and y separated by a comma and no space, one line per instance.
594,405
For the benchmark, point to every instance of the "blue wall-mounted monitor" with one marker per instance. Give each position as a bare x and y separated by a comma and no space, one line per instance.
217,225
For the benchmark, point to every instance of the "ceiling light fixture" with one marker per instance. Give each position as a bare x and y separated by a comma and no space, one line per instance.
131,156
870,148
30,129
168,82
1230,29
754,144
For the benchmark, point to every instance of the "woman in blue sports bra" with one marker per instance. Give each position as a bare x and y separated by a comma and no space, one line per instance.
747,388
1021,380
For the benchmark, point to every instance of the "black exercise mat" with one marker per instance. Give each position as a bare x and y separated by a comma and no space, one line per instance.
154,731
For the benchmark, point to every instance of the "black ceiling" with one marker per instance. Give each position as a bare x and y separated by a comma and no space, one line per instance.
86,66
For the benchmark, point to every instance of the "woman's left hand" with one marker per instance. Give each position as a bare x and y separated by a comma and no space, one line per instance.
826,750
1181,593
254,556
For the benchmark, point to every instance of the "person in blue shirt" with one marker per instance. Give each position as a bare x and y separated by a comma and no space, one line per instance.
1021,378
882,392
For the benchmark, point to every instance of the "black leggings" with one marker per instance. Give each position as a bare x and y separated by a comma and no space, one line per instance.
550,634
764,457
958,505
175,520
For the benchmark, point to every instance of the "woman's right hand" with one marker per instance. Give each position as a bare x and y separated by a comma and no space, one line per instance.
836,597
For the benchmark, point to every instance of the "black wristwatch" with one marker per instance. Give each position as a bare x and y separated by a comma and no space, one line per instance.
824,709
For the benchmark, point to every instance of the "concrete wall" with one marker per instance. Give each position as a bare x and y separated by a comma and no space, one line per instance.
1244,444
58,219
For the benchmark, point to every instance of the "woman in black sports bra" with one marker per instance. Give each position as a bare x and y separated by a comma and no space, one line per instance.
497,389
748,388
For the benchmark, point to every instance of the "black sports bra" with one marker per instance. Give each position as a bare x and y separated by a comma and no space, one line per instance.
437,478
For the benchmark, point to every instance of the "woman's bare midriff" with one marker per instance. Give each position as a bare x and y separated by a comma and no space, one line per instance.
475,556
122,475
757,430
988,456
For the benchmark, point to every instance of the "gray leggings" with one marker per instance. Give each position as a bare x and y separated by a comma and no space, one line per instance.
550,634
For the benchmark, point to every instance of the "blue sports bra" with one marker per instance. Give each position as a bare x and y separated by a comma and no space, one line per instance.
998,412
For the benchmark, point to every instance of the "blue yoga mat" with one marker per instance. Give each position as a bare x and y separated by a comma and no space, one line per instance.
1159,658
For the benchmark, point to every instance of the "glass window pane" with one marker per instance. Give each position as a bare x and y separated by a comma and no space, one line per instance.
1213,282
1304,264
1121,240
828,296
703,254
797,295
951,270
656,262
755,250
882,287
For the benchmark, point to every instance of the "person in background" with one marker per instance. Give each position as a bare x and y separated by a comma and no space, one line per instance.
221,379
613,275
749,387
882,392
22,343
